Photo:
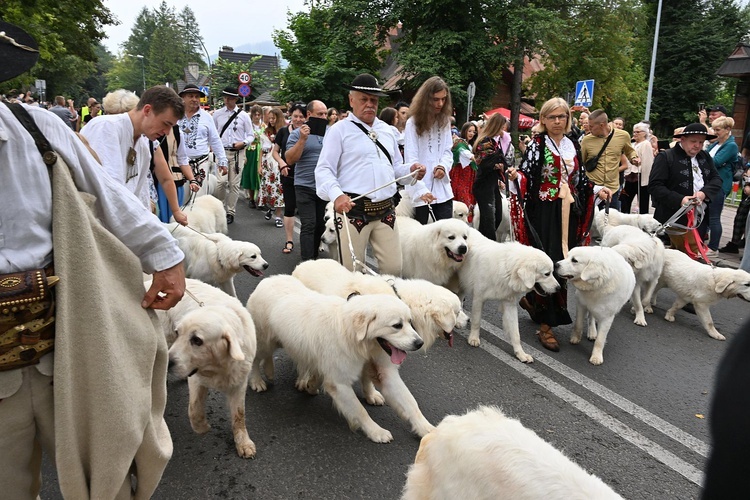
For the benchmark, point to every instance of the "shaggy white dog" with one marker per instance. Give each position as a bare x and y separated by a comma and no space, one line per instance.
485,455
216,258
433,252
604,282
701,285
504,272
645,254
645,222
212,344
207,215
332,340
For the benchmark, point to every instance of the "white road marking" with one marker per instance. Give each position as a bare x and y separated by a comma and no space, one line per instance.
632,436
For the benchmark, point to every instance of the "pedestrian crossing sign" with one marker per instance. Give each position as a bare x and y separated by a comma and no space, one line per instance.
584,93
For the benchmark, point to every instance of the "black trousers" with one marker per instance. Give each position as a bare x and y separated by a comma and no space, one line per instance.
490,205
311,210
442,211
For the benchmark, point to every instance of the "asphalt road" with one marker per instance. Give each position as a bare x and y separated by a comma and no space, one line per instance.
639,421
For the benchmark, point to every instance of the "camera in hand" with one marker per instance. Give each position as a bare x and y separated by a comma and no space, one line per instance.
317,126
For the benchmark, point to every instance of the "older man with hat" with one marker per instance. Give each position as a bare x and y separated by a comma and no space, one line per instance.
682,175
102,420
198,132
359,155
236,133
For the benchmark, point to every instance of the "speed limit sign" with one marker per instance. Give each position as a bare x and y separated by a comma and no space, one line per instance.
244,77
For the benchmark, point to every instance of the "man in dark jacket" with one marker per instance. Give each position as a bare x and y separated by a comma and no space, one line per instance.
681,175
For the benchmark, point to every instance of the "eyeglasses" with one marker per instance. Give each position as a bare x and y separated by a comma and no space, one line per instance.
557,118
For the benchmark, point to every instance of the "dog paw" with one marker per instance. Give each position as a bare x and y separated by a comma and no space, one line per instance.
591,336
375,398
717,335
258,385
648,309
473,341
596,359
575,338
669,316
524,358
246,449
640,321
380,435
425,429
201,426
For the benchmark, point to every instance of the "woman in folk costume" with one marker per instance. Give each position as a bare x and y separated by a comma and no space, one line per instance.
464,167
271,195
254,152
551,207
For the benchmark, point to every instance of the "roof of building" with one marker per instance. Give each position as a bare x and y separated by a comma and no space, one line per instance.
737,65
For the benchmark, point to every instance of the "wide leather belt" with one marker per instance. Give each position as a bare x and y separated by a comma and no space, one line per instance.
372,207
27,320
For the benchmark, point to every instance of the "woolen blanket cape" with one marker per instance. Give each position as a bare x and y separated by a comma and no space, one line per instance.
110,361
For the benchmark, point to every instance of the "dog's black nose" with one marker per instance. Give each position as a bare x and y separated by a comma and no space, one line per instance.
265,266
557,266
418,343
462,249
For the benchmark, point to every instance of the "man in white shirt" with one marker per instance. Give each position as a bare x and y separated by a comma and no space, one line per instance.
236,133
28,410
122,141
360,154
198,131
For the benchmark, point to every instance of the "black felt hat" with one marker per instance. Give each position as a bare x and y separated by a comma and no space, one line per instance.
696,129
18,51
368,84
192,88
230,91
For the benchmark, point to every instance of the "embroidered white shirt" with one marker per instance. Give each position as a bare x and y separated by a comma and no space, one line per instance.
198,133
240,130
431,149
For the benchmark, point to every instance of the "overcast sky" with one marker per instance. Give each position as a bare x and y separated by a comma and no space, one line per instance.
221,22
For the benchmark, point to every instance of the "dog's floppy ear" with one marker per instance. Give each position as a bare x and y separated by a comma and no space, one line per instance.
722,283
589,272
234,347
361,323
527,276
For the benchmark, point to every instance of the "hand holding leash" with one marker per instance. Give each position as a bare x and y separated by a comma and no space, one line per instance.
167,288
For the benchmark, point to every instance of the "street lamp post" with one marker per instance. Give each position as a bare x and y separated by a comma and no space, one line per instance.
143,70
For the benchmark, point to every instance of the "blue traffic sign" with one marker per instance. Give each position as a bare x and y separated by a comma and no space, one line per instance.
244,90
205,89
585,93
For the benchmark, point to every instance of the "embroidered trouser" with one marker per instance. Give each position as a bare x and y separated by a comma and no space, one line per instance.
228,188
381,234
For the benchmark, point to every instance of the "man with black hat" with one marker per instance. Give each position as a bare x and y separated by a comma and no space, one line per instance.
102,419
684,174
236,133
360,154
198,131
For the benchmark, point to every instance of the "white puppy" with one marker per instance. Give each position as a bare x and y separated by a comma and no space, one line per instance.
645,254
616,218
216,258
701,285
213,345
604,281
460,211
433,252
333,339
485,455
504,272
207,215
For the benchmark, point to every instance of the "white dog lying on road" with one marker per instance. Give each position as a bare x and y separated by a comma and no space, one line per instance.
213,346
216,258
604,282
485,455
645,254
333,339
504,272
701,285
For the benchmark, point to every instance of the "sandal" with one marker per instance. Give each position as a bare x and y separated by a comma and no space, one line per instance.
547,338
279,222
288,247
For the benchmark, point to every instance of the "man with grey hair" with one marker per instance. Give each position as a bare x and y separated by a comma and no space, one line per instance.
360,154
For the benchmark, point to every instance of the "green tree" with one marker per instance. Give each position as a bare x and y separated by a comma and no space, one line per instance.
224,74
67,34
328,46
696,36
596,41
